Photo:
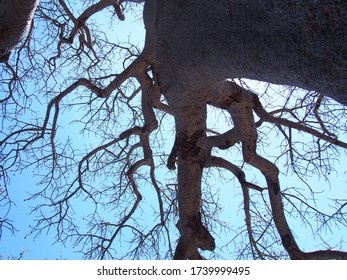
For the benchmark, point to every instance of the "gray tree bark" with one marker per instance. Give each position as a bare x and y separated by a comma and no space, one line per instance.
299,43
15,17
194,46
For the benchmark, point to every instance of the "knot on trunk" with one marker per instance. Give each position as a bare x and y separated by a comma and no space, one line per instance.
194,235
187,146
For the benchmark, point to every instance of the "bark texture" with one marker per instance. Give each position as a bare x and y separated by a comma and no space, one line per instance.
195,46
284,42
15,17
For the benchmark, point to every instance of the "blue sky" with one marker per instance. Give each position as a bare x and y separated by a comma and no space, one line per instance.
22,185
42,246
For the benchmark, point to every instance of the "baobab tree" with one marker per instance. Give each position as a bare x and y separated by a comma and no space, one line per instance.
195,57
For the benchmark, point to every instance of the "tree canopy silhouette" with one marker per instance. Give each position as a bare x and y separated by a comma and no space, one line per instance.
122,136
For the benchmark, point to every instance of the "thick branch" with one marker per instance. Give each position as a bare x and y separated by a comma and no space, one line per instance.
242,115
265,116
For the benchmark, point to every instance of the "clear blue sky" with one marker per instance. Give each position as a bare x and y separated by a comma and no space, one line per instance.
22,185
42,247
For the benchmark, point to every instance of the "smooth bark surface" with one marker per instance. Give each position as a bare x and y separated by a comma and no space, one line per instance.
284,42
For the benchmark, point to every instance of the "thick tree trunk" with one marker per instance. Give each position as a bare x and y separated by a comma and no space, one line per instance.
191,153
195,45
299,43
15,17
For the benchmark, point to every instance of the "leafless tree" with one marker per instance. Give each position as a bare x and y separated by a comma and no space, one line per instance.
103,149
